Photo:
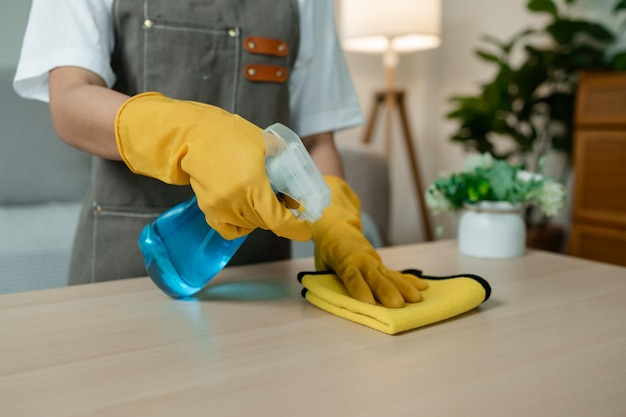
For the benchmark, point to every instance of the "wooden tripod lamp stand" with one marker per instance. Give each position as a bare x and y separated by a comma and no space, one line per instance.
390,28
394,99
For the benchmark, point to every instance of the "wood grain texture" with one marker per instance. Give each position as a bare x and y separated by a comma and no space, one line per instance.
599,205
601,99
551,341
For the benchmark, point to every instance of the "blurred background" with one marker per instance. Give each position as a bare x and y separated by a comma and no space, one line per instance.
430,77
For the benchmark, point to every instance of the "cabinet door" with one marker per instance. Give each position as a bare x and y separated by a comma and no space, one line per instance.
600,177
599,243
601,99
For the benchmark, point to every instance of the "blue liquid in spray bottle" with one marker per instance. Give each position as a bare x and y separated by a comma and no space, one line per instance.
182,253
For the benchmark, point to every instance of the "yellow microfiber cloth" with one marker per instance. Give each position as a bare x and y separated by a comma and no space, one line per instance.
445,297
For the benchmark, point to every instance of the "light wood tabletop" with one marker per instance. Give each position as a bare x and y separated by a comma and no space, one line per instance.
551,341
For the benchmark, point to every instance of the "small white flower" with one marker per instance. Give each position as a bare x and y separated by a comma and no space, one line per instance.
526,176
551,197
436,201
478,161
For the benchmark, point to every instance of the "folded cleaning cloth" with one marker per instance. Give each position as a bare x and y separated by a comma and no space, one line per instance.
445,297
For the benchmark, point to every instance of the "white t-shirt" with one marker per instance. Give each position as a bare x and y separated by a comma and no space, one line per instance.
80,33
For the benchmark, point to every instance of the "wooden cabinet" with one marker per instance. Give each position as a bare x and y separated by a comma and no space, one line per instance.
599,204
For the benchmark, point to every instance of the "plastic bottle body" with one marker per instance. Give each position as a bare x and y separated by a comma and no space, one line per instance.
182,253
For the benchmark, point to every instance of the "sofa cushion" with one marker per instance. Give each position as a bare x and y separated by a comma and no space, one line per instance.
35,245
367,173
35,165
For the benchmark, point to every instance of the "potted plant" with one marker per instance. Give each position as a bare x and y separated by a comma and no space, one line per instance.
492,194
527,108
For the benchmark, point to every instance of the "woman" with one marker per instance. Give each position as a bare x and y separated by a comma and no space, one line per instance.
221,68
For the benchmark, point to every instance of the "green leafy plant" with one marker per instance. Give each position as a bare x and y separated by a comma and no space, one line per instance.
530,100
487,179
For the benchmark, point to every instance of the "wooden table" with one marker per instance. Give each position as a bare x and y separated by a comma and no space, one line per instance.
551,341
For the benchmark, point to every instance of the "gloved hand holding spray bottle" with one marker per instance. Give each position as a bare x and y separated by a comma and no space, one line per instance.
182,253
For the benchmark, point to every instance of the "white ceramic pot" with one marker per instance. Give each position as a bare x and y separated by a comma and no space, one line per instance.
492,229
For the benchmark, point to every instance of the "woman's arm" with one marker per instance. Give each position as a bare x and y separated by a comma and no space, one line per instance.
83,110
324,153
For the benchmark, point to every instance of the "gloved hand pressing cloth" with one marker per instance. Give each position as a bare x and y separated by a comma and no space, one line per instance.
340,246
445,298
351,277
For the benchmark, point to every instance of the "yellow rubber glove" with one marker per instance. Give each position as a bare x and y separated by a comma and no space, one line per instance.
220,154
341,246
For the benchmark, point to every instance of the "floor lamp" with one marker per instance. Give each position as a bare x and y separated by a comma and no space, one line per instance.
391,28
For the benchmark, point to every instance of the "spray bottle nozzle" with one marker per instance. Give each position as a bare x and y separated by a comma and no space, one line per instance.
293,173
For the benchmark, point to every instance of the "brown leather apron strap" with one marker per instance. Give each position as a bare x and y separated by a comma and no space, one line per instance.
265,46
265,73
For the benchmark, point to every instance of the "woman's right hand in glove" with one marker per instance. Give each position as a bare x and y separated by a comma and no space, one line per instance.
220,154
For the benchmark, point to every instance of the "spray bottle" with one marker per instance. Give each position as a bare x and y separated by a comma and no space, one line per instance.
182,253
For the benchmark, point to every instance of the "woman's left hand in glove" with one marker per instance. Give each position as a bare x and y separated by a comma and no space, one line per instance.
341,247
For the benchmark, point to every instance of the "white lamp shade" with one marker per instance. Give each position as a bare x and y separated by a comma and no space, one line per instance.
379,26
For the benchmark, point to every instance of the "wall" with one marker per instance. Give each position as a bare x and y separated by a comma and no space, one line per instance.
431,78
13,16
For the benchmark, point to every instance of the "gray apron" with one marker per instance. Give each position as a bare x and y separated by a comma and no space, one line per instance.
235,54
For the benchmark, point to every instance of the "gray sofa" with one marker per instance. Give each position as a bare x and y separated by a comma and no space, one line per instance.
41,184
43,181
